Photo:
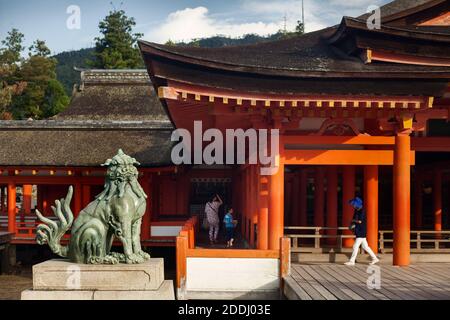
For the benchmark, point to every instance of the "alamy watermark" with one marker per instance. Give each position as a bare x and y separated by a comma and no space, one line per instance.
374,279
73,22
231,149
73,281
374,20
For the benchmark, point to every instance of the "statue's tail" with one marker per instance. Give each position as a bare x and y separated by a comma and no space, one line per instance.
51,231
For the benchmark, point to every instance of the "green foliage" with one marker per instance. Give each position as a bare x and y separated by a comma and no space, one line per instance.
40,49
11,47
65,69
117,48
55,99
224,41
28,87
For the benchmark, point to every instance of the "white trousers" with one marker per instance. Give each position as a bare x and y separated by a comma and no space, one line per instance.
358,243
213,231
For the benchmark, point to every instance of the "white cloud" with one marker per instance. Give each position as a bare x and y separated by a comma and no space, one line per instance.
191,23
264,17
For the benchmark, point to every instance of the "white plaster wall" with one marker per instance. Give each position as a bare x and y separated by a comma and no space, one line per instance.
165,231
232,274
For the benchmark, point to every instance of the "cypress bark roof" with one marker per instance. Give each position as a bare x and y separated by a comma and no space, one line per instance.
62,147
111,110
121,95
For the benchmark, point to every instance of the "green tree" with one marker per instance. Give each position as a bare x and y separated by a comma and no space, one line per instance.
44,96
40,49
12,46
117,47
9,63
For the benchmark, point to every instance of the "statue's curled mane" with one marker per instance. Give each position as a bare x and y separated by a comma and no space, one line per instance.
121,172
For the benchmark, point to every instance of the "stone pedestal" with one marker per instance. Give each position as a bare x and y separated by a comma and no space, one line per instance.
63,280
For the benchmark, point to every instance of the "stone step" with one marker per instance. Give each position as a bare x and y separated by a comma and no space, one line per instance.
165,292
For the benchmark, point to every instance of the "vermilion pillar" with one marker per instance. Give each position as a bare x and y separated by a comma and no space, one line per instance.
2,198
276,208
437,200
418,196
401,197
243,201
303,199
86,195
295,214
371,204
319,197
11,207
27,192
78,192
348,193
253,204
263,218
146,183
332,203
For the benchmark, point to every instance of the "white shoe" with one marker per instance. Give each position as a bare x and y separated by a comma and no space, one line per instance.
349,263
374,261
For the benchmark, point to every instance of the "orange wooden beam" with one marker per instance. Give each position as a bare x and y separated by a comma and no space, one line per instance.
238,253
344,140
342,157
430,144
409,59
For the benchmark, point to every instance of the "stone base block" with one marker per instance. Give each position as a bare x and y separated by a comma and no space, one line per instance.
67,276
165,292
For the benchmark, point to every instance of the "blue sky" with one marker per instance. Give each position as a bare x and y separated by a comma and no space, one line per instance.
177,20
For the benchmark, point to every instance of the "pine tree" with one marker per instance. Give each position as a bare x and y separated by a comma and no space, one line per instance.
9,64
28,87
117,47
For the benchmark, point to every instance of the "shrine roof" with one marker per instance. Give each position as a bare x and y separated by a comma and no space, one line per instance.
81,144
114,95
313,55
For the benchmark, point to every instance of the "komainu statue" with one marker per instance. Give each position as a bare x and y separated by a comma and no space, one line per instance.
116,213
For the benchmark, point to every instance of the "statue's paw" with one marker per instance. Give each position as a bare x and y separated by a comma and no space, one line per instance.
144,255
134,259
120,257
111,260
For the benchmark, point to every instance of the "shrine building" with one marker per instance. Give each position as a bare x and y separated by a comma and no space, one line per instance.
361,112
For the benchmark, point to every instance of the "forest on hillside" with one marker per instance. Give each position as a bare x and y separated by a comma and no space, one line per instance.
68,61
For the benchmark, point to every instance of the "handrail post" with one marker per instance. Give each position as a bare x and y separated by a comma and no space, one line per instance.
285,257
419,243
181,257
381,241
317,239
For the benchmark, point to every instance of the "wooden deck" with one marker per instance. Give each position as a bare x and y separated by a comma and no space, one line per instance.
340,282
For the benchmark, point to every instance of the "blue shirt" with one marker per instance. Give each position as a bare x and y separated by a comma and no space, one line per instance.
228,220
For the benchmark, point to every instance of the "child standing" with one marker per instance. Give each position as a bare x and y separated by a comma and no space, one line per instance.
230,224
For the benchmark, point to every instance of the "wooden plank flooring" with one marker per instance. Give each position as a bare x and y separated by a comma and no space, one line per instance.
321,281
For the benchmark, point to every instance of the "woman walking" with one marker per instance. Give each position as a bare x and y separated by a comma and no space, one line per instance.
212,215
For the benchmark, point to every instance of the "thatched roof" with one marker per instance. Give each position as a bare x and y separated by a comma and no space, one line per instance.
57,145
120,95
111,110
